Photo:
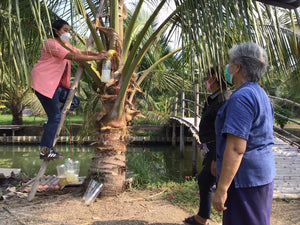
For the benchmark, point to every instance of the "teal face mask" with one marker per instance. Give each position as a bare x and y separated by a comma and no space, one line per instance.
228,76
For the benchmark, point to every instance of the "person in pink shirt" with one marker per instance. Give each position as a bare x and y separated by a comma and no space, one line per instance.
50,79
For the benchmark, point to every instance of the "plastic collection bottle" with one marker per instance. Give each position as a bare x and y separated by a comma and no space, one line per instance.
106,70
61,174
93,190
72,171
76,170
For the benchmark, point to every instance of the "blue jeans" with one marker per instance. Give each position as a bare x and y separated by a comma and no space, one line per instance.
53,110
205,182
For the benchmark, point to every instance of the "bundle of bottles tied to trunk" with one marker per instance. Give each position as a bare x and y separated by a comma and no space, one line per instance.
68,173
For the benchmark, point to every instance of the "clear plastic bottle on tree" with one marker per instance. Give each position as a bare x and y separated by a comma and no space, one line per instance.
106,69
106,66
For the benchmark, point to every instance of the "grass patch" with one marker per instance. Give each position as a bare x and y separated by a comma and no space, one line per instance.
155,118
147,134
36,120
186,195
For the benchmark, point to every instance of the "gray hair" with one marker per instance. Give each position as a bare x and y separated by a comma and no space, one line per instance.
252,58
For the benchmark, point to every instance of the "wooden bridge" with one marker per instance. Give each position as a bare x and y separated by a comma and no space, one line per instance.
186,112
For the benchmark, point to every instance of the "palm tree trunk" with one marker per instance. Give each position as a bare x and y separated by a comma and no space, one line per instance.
16,111
108,164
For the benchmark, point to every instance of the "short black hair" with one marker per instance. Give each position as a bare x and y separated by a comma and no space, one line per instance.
57,25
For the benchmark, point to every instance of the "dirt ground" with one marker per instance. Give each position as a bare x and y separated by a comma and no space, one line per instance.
137,207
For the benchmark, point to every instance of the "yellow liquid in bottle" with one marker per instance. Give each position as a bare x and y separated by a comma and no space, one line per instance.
70,175
76,180
63,181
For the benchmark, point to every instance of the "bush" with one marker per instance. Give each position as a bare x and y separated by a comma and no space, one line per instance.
284,112
146,168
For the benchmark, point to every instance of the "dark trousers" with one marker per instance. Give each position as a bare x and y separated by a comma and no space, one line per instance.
205,181
53,109
248,206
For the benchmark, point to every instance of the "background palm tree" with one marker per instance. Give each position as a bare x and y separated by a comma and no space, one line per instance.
213,27
14,76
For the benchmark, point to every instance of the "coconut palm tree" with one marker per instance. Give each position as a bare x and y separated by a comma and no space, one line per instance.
116,96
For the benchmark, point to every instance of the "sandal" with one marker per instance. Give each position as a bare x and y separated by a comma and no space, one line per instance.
191,220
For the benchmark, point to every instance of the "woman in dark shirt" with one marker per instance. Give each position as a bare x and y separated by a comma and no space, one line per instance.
217,85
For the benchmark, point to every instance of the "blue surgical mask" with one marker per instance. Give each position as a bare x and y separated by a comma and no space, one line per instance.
228,76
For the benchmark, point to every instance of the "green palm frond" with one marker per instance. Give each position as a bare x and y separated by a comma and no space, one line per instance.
31,101
215,26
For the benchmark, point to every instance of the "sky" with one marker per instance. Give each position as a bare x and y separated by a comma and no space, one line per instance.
167,9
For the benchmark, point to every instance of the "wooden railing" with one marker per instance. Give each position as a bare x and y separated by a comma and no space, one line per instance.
181,107
287,133
190,107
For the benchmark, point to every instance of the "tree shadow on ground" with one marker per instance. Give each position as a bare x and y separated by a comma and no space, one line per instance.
129,222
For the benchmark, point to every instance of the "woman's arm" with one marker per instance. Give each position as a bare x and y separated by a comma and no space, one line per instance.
83,57
235,149
89,53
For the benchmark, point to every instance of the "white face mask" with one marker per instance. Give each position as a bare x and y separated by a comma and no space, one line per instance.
65,37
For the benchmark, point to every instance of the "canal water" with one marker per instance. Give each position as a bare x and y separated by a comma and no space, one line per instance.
164,158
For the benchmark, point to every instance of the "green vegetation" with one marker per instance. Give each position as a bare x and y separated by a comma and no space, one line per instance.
147,134
284,111
186,195
35,120
146,168
152,117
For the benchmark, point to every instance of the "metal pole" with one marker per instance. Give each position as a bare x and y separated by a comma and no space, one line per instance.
174,123
196,119
176,104
167,133
182,126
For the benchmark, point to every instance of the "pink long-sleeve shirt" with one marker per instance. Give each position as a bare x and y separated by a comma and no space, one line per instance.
52,69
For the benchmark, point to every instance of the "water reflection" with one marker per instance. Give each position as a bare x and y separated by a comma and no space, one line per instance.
167,158
27,158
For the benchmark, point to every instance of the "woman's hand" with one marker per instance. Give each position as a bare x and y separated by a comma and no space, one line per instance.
101,55
219,199
232,157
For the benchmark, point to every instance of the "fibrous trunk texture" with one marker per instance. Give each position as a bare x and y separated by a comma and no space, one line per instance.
108,163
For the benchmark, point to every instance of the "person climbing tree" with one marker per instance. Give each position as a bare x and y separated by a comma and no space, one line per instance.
51,80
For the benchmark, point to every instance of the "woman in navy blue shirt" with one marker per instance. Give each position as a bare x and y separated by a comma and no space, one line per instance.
244,138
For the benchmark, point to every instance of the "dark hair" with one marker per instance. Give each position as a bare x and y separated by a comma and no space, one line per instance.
57,25
219,72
